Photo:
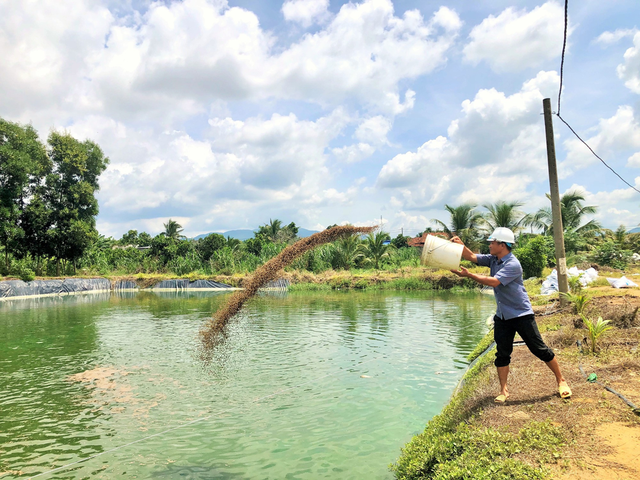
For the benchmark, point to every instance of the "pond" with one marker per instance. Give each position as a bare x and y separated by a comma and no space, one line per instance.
307,386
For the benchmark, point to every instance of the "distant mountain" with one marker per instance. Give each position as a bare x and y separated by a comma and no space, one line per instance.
247,234
634,230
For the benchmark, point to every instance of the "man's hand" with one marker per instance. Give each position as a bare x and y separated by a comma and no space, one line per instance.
463,272
457,240
466,253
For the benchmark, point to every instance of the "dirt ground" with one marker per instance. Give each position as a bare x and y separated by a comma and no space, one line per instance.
603,432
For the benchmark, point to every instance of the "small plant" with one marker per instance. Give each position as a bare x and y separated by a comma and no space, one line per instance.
579,301
596,329
574,284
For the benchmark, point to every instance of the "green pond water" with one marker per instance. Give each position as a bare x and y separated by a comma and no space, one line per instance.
307,386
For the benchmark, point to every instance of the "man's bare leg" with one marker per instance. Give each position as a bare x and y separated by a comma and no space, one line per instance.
555,368
503,374
563,386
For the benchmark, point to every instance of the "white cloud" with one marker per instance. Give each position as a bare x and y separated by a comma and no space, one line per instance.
634,160
43,46
609,38
61,60
617,135
516,40
374,130
305,12
353,153
245,165
629,71
493,152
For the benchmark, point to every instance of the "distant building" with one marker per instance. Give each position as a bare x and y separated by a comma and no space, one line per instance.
418,242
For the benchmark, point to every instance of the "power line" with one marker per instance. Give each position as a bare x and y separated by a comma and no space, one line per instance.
564,46
596,155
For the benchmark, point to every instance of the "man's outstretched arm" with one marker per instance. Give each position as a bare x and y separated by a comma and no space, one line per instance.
466,253
481,279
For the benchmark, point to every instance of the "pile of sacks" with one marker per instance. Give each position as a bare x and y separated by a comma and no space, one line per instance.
550,285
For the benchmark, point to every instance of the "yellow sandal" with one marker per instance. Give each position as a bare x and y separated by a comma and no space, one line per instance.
564,390
501,398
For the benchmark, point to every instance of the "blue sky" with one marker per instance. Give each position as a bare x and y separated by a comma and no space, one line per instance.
224,114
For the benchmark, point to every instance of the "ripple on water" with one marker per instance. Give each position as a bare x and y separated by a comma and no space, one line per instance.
310,386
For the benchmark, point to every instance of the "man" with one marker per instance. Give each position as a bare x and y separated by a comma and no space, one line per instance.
514,313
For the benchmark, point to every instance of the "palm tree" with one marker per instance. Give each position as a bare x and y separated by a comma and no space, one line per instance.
374,248
347,252
504,214
572,212
538,220
619,236
173,230
464,222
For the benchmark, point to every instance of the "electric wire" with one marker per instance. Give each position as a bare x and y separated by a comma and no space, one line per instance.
564,45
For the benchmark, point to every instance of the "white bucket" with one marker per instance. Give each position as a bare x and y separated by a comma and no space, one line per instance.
441,253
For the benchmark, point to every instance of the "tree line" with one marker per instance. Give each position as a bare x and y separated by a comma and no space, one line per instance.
48,209
47,195
585,240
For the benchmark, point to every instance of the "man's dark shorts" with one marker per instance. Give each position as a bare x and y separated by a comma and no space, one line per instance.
504,332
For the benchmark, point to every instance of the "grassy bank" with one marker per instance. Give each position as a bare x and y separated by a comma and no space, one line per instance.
535,434
409,278
454,446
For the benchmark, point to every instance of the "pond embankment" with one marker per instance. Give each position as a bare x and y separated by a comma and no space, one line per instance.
418,279
536,434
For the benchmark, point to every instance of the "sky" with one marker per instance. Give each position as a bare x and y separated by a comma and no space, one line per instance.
224,114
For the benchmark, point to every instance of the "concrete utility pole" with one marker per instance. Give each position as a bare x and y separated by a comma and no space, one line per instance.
558,232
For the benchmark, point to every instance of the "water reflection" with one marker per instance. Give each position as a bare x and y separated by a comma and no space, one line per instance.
44,417
322,385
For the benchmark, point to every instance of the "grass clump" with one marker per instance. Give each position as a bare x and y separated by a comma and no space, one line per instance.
451,448
407,283
309,287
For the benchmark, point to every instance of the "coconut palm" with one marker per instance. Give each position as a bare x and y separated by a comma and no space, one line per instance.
572,212
273,228
504,214
173,230
464,222
346,252
537,220
374,249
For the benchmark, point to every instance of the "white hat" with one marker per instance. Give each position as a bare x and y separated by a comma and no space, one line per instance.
502,234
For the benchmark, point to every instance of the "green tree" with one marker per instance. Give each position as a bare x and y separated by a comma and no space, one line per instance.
618,236
129,238
173,230
270,230
504,214
70,194
208,245
23,163
374,249
400,241
347,252
144,239
36,221
464,223
573,213
532,257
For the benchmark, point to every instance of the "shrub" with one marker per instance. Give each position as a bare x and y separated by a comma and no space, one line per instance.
21,270
610,254
532,257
